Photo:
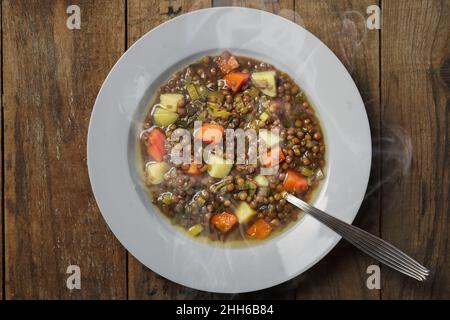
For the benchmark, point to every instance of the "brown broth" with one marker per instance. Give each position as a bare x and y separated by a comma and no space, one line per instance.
289,110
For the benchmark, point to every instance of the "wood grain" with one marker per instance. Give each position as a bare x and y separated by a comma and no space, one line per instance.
142,17
51,78
415,54
284,8
341,25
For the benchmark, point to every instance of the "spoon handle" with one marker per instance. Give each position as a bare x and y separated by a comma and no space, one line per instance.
366,242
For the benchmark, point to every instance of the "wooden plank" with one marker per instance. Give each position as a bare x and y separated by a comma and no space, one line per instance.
415,99
341,25
51,78
143,16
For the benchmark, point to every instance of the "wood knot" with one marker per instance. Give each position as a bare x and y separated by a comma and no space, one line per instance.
170,7
445,72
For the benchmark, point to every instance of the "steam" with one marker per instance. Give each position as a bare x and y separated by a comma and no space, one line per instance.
353,27
394,152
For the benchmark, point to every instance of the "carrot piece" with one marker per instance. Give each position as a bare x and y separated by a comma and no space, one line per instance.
210,133
295,182
268,158
155,144
193,170
260,230
224,221
235,80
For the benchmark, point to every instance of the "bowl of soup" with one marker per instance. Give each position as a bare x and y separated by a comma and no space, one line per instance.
199,128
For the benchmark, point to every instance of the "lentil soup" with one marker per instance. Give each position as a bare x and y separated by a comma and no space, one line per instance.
224,201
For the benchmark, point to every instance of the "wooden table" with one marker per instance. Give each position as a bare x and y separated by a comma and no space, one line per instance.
51,76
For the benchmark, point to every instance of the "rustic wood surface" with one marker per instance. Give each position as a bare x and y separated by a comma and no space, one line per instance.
415,53
51,76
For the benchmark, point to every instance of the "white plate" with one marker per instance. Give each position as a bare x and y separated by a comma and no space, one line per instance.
121,103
